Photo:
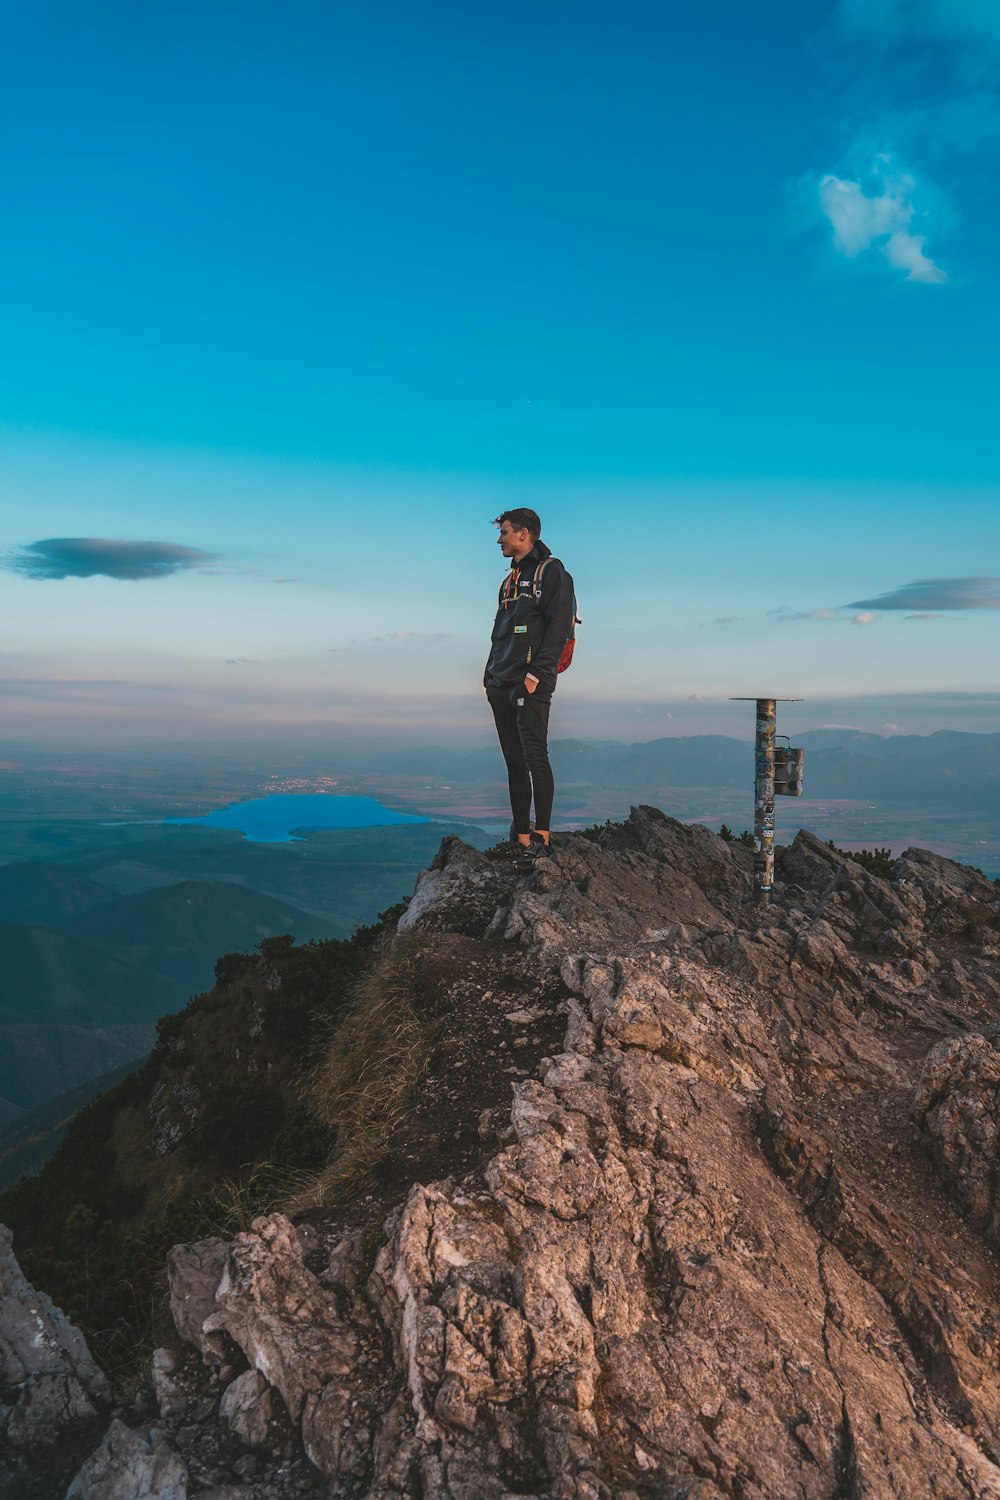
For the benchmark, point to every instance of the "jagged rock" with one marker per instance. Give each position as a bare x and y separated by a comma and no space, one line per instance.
288,1327
699,1254
958,901
173,1111
291,1329
458,876
48,1381
957,1103
132,1464
170,1396
248,1406
193,1275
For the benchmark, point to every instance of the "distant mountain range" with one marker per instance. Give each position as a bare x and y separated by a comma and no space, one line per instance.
98,946
945,769
79,998
27,1143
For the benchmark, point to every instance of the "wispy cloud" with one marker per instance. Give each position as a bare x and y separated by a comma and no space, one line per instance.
878,216
928,595
919,95
91,557
784,615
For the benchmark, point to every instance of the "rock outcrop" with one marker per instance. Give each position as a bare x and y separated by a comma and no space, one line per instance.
728,1228
52,1395
957,1103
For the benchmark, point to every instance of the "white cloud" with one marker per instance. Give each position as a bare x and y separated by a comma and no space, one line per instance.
906,253
920,83
878,220
866,617
785,614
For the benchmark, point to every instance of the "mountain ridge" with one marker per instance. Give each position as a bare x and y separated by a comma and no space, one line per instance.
678,1197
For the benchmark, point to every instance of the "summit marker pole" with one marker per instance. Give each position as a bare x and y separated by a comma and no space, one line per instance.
763,801
763,795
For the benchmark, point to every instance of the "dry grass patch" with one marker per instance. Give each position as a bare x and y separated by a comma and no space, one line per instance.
374,1061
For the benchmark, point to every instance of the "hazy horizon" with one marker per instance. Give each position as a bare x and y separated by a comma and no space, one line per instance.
466,722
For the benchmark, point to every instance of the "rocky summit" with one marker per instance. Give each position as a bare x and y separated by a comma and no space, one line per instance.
692,1200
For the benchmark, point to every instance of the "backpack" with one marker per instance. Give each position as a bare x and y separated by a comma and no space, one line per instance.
566,655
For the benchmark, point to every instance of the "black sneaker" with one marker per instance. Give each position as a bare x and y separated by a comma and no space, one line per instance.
531,853
510,849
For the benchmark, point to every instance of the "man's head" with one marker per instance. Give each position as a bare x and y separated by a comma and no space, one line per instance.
519,531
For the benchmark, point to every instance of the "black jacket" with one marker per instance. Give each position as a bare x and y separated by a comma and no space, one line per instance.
529,634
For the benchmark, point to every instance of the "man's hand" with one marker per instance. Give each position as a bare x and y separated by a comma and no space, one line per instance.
530,683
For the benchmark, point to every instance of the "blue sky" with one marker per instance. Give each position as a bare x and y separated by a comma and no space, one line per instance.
305,294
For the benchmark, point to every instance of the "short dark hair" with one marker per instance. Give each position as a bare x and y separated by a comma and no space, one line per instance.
522,519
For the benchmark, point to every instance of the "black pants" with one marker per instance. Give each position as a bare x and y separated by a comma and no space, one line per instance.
522,721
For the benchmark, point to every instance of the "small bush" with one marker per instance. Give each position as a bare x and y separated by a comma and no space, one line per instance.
595,830
875,861
745,838
229,968
237,1124
317,982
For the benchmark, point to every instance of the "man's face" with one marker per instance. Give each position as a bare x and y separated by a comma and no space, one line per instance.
513,543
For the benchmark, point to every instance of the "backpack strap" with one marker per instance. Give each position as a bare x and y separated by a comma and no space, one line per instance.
536,585
508,588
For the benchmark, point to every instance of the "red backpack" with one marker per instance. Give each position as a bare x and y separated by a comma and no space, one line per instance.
566,655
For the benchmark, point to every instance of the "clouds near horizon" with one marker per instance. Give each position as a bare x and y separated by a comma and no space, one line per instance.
784,616
92,557
927,596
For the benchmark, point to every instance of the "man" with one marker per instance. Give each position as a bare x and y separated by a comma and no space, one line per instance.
534,621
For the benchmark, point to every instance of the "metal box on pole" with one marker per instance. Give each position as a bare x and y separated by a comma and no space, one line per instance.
777,772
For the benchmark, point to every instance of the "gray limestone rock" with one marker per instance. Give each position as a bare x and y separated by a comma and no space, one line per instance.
248,1406
48,1380
169,1393
194,1272
132,1464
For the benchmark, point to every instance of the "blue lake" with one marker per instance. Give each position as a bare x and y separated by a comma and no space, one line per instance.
270,820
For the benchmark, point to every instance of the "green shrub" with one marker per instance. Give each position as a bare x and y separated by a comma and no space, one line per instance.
745,838
595,830
238,1121
875,861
